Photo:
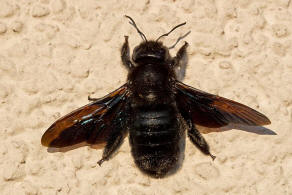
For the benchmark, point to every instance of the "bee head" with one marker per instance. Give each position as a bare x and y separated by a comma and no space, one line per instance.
150,50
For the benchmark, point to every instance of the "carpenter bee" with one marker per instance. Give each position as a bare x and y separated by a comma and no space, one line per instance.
152,107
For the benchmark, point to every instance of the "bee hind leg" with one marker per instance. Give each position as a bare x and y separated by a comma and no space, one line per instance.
198,140
113,144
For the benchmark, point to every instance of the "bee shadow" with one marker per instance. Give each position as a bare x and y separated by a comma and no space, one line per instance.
68,148
251,129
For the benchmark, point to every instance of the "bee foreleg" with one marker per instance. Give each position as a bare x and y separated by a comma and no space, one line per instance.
180,61
125,54
198,140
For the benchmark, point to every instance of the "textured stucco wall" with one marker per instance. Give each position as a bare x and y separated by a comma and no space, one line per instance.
54,53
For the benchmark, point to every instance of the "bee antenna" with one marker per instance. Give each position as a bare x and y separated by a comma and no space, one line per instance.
132,22
166,34
180,38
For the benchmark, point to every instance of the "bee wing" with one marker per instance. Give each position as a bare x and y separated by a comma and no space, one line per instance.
91,123
214,111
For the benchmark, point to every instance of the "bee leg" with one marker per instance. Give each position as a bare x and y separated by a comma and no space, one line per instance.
125,54
198,140
180,62
112,145
92,99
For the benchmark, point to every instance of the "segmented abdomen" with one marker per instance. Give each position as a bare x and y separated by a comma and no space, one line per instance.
154,138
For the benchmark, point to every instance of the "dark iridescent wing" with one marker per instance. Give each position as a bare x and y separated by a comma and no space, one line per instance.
214,111
91,123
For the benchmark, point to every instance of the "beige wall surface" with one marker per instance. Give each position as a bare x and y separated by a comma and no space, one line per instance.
54,53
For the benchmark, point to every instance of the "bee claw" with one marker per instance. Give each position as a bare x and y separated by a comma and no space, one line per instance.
213,157
100,161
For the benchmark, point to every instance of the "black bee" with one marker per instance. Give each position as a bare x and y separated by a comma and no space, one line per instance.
154,107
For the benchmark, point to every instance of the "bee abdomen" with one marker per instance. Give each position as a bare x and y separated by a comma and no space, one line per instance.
155,141
154,128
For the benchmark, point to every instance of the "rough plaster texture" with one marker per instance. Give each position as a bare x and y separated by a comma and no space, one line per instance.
54,53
